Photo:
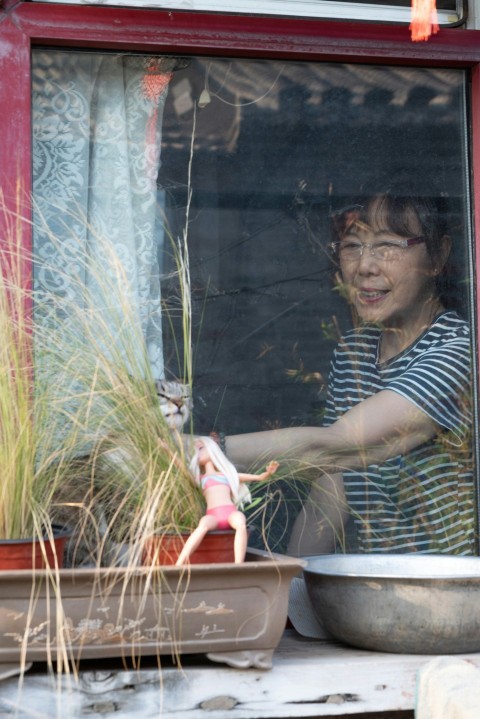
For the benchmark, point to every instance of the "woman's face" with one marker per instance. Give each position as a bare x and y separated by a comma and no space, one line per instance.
394,292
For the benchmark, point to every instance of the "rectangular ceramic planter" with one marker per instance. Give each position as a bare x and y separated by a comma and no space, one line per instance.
232,613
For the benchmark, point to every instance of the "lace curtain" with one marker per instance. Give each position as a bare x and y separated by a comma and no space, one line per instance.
97,123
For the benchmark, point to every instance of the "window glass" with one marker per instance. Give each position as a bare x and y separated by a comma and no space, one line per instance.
246,162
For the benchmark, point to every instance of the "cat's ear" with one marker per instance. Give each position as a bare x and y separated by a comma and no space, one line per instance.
159,386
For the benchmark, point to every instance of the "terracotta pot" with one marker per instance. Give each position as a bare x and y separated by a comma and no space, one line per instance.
216,547
28,554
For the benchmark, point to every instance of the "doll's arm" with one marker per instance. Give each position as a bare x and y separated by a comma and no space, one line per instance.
271,469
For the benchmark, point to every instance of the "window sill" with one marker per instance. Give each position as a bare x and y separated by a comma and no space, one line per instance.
309,679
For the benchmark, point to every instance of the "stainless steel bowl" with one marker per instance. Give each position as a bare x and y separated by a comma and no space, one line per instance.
408,604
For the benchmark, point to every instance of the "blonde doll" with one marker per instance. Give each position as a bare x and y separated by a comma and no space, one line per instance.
225,495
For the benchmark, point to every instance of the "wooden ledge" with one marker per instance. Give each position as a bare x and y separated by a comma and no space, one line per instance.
309,678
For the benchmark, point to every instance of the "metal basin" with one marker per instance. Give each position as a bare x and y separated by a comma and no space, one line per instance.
408,604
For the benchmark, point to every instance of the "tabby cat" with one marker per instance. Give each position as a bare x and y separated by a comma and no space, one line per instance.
175,402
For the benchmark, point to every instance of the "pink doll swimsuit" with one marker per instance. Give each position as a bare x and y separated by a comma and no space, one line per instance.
212,480
221,514
223,511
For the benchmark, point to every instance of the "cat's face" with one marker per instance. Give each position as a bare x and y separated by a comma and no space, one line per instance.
175,402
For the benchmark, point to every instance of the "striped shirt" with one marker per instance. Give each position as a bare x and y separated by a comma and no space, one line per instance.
422,501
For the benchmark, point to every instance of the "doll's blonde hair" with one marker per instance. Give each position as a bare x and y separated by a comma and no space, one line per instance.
240,493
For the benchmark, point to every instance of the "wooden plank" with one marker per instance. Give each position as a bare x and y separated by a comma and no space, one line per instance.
308,679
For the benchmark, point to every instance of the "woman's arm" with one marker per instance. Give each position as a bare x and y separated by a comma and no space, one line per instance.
320,523
379,427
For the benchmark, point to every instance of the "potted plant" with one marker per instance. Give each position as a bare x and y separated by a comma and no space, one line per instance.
82,426
38,445
136,480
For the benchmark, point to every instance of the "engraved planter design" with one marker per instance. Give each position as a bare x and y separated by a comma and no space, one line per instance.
233,613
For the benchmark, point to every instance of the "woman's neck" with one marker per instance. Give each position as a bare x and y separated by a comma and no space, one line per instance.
396,339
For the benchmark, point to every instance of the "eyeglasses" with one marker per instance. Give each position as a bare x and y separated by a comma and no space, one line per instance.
383,250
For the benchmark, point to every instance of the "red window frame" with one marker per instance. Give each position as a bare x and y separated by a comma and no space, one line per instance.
27,24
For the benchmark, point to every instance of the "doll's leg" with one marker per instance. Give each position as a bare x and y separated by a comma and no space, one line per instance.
238,522
206,524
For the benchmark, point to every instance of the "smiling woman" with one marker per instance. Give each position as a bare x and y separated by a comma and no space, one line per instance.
398,422
412,346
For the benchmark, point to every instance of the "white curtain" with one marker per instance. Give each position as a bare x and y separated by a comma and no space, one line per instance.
97,122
